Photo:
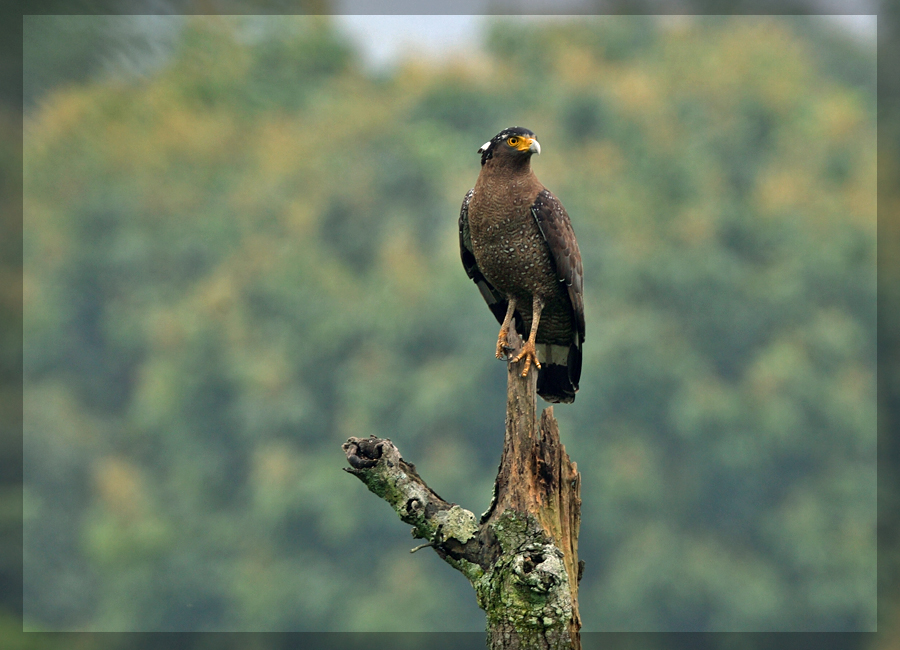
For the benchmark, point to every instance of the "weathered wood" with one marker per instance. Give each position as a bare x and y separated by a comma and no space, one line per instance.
522,555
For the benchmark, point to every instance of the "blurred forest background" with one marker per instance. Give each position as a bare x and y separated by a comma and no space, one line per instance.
240,249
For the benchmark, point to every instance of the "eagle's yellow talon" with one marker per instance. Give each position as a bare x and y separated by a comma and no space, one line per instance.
530,355
502,343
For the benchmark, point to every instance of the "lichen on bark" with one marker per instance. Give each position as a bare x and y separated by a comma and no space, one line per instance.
527,592
521,557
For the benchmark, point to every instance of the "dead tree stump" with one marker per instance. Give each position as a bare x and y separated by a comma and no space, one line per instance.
522,555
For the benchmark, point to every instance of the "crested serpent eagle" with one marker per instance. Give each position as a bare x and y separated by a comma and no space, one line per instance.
518,246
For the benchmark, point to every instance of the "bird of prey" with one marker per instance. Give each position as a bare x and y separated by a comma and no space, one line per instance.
518,246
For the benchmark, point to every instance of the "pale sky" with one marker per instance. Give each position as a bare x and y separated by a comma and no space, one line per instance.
384,39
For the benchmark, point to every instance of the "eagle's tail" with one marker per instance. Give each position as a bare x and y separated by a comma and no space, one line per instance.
560,372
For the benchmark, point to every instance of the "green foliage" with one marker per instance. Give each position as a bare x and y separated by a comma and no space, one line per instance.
240,260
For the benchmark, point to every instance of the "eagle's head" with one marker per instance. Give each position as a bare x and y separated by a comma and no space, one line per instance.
514,143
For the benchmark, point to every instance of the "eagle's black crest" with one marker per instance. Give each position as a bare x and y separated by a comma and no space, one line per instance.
487,150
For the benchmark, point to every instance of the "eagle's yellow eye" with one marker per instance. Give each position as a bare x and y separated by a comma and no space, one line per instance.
513,141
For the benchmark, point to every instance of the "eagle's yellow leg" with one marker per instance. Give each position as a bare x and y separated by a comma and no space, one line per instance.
528,352
502,342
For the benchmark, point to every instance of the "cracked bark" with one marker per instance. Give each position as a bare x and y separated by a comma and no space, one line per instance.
521,556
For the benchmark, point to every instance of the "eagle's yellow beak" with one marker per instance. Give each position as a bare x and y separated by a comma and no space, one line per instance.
528,144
